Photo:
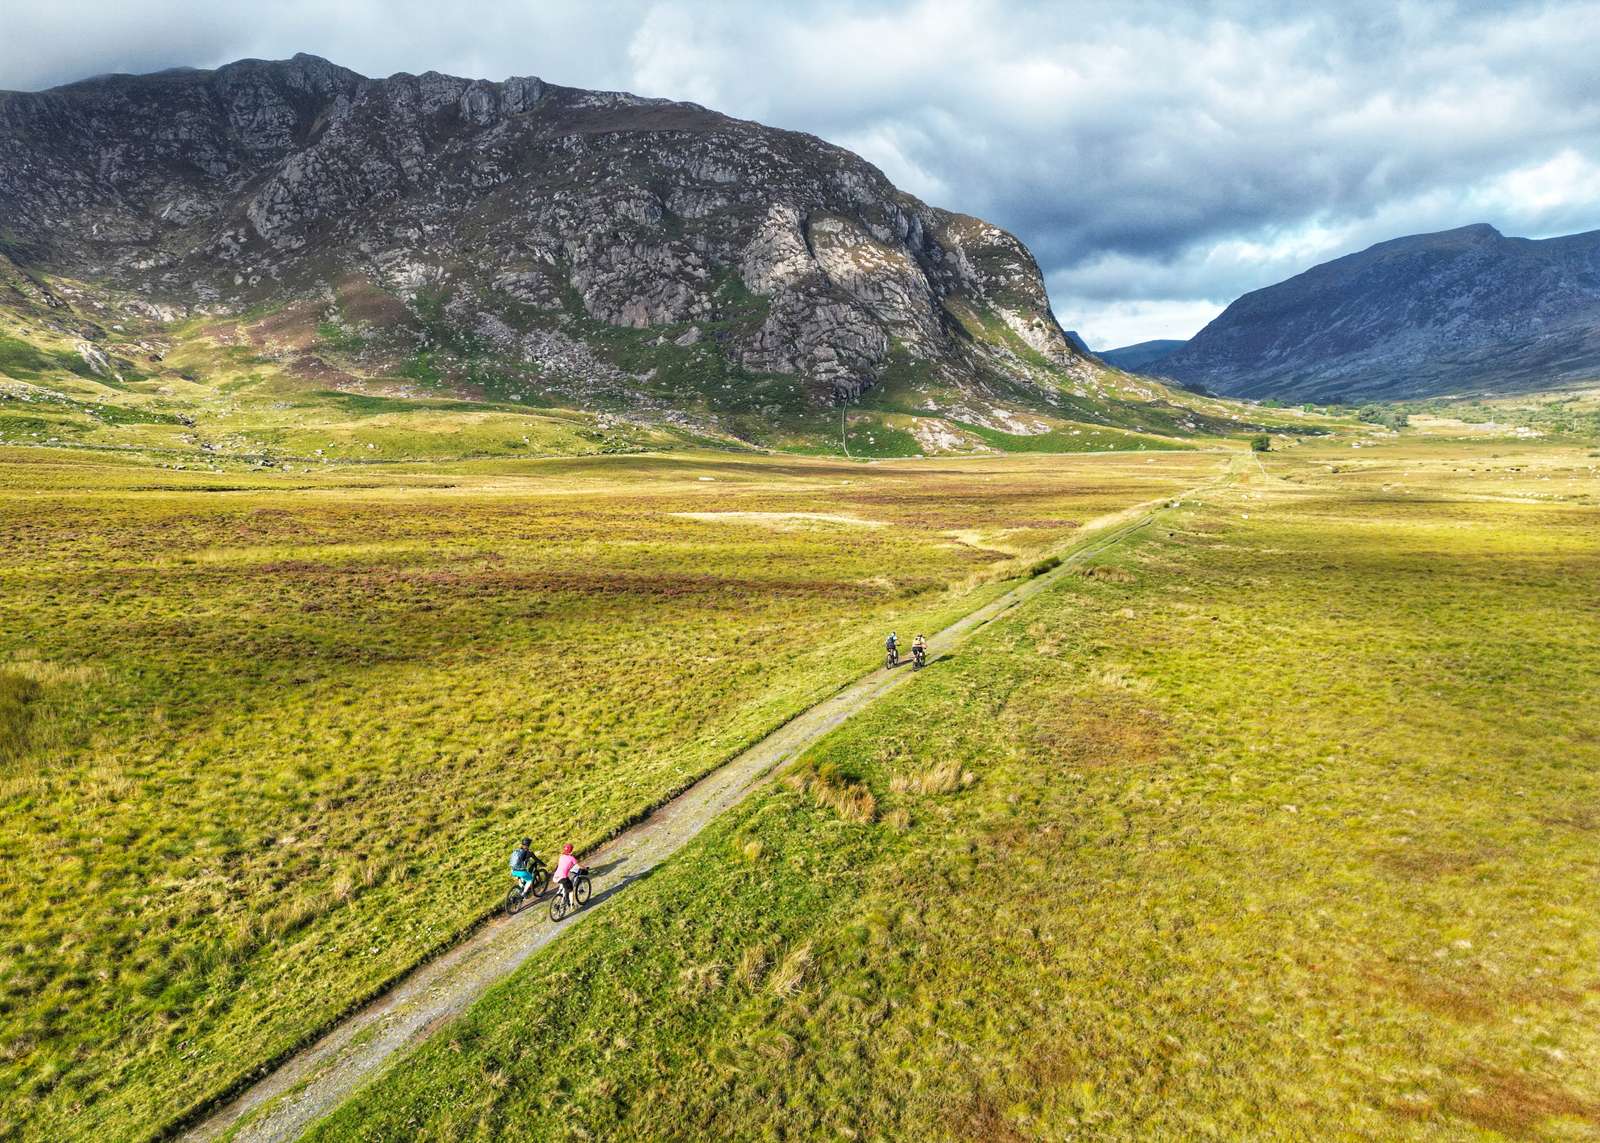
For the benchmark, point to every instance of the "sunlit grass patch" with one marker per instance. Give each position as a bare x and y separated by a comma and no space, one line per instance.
829,785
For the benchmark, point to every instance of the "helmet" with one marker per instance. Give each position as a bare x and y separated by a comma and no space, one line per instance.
527,843
567,849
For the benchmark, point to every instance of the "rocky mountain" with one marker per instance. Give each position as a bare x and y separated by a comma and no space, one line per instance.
1465,311
526,244
1141,355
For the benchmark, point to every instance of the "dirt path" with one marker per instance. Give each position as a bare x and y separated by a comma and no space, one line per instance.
313,1082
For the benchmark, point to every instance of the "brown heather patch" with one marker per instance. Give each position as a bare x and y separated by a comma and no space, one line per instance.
1575,815
18,697
1420,862
1042,522
978,1117
1518,1104
1100,730
292,328
1475,998
308,569
956,503
670,585
360,301
310,367
564,583
1444,998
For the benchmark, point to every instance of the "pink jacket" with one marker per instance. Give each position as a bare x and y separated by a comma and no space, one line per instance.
565,866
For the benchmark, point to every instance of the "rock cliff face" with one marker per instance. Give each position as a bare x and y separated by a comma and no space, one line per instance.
1462,311
516,214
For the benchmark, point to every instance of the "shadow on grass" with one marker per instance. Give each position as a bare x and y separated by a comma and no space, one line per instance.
613,890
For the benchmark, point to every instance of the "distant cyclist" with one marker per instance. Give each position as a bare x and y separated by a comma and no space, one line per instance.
564,867
919,648
892,645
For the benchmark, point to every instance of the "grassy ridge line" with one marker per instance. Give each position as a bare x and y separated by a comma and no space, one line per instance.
1103,533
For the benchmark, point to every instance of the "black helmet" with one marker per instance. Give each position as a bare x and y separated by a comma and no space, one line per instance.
527,843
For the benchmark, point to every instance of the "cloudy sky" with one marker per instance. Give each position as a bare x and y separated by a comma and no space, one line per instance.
1159,158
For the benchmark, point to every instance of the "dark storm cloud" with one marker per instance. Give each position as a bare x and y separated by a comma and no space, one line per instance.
1158,158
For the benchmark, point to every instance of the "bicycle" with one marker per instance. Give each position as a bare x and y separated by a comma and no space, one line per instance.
533,887
582,888
891,658
920,657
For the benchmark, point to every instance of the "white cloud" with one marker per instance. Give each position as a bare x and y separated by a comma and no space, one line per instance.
672,52
1552,189
1111,325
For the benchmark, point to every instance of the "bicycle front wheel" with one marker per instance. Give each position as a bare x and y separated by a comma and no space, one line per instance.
581,888
541,882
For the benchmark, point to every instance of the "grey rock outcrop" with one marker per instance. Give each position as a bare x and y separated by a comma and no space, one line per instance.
266,182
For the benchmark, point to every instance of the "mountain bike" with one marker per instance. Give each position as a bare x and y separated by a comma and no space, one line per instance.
920,657
581,890
521,892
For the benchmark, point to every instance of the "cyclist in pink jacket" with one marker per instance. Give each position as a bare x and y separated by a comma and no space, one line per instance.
565,864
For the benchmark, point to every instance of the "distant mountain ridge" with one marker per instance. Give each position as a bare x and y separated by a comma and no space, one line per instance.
1138,357
1460,311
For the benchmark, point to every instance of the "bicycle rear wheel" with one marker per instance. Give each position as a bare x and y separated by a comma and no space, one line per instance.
514,900
558,906
581,889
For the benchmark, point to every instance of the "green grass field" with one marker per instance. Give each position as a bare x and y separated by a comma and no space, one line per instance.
1281,823
267,736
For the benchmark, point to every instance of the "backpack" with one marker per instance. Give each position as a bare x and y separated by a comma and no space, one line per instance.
519,859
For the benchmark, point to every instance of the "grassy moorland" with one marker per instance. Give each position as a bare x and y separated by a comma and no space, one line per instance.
1569,413
267,737
1280,823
